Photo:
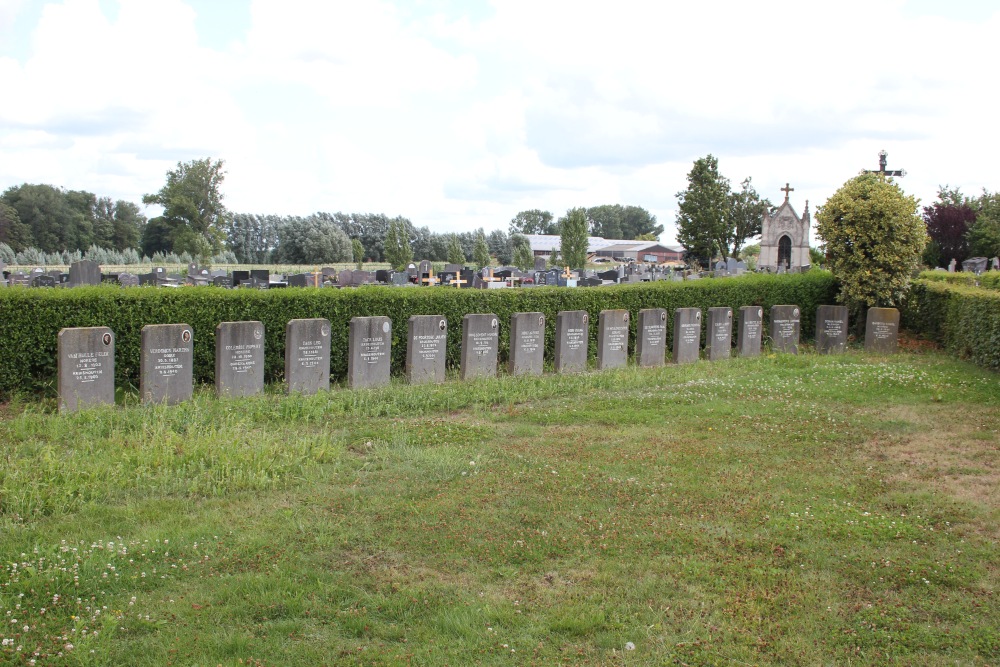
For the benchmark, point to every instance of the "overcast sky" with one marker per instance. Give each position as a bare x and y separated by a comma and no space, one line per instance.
458,114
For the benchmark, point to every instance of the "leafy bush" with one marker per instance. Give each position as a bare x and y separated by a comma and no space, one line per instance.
965,320
30,319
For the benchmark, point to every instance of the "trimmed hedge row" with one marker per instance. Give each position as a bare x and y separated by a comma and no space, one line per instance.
965,320
30,319
989,280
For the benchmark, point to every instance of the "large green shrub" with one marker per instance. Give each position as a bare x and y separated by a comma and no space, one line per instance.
965,320
30,319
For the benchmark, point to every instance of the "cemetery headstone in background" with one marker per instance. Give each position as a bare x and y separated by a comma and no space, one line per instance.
719,334
572,339
239,358
651,337
751,327
882,331
307,355
687,335
785,327
527,343
84,272
166,363
612,339
426,348
831,329
369,347
86,361
480,342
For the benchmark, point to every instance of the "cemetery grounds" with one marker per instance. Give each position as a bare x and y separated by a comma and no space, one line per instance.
783,510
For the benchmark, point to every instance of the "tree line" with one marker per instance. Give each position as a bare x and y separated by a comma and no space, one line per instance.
961,227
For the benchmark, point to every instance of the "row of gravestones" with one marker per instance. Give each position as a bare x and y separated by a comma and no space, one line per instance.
86,355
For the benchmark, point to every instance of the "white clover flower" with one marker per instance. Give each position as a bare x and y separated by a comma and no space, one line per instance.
629,646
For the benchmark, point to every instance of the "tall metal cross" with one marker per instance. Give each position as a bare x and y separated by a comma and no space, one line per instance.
883,159
786,190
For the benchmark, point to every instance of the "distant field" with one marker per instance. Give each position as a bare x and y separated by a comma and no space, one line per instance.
790,510
182,268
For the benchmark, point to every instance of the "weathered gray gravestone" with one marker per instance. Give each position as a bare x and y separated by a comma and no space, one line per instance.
687,335
651,337
426,348
831,329
612,339
84,272
369,346
882,330
751,327
572,339
239,358
784,330
480,340
166,363
527,343
86,360
719,334
307,355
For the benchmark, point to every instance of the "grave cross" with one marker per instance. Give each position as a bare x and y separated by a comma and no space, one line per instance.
787,190
430,279
883,158
567,274
457,280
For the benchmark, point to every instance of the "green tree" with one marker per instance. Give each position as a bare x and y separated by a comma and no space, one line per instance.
984,234
397,245
534,221
637,221
13,232
500,246
56,219
357,252
311,240
455,253
522,256
703,211
193,208
573,238
744,220
481,251
156,237
874,239
252,237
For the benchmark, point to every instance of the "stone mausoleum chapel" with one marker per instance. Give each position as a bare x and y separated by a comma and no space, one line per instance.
784,237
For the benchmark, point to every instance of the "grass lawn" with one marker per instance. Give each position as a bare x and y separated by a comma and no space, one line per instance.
785,510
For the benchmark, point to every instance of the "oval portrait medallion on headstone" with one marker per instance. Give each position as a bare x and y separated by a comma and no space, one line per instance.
443,324
541,320
107,339
385,327
586,317
760,312
663,317
257,334
625,317
186,336
494,323
795,313
325,330
729,315
697,315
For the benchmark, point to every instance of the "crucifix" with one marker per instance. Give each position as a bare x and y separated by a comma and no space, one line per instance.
316,275
430,279
567,274
786,190
883,159
457,280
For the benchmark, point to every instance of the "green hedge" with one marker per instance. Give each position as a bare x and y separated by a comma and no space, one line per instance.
30,319
965,320
989,280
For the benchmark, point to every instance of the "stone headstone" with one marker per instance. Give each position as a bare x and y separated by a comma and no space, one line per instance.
426,348
784,329
411,269
610,276
346,278
480,341
222,281
166,363
750,331
240,277
612,339
86,361
975,265
572,340
719,334
732,265
551,277
300,280
42,280
307,355
527,343
651,337
687,335
382,276
399,279
369,352
239,358
84,272
952,264
882,331
831,329
540,264
263,275
453,268
994,264
425,266
128,280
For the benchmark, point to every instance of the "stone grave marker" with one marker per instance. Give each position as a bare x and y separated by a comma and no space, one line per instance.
651,337
301,280
882,331
399,279
612,339
166,363
240,277
369,350
307,355
831,329
719,334
239,358
426,348
784,328
751,327
382,276
42,280
687,335
86,374
425,266
527,343
572,340
128,280
84,272
480,342
540,264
